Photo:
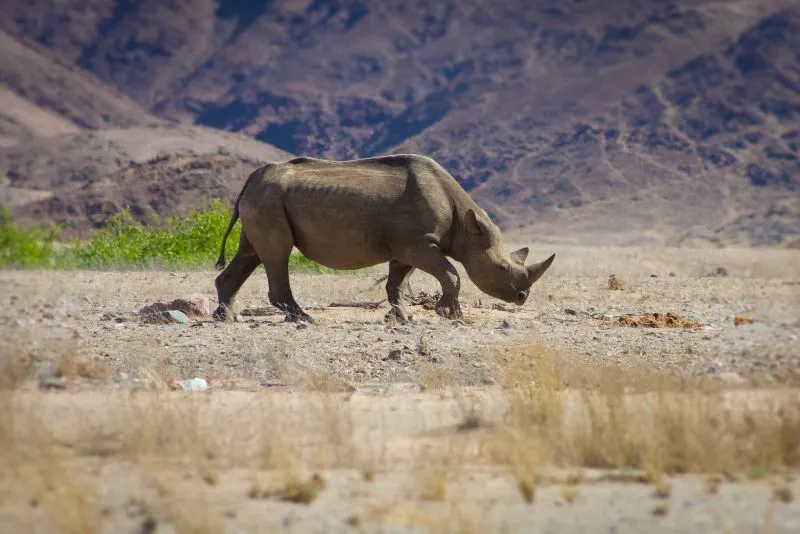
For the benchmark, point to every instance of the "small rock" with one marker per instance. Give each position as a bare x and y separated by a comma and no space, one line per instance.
110,316
166,316
693,316
176,316
192,384
45,369
48,316
192,306
53,382
721,271
617,283
121,377
394,355
509,323
741,319
672,274
570,312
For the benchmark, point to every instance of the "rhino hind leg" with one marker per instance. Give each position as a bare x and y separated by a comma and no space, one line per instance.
398,290
230,280
280,292
429,258
276,263
273,240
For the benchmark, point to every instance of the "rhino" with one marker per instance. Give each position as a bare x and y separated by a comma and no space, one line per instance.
404,209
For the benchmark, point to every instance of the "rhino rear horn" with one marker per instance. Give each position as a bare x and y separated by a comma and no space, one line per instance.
536,270
520,255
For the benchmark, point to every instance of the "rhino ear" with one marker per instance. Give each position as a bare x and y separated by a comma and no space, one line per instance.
472,223
520,255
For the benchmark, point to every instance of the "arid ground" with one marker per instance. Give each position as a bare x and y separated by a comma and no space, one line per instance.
574,413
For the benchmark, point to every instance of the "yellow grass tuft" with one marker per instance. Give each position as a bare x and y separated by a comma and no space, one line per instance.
782,492
527,487
641,425
660,510
297,490
712,484
662,489
570,493
590,416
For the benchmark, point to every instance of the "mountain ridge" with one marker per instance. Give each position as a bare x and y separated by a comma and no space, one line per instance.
667,120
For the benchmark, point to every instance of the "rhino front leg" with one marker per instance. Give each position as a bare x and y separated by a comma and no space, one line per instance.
398,290
429,258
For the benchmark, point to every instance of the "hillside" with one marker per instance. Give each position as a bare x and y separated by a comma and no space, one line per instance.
57,96
588,122
82,179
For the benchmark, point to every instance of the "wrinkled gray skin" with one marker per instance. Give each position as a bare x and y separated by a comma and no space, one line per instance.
402,209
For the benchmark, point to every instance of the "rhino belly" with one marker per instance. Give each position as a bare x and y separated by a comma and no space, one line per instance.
340,238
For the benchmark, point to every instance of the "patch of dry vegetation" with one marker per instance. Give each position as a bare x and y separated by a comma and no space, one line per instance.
564,414
658,320
557,413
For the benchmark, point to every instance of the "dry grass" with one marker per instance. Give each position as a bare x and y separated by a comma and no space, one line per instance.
41,474
568,415
556,412
435,465
72,366
783,492
712,484
70,502
662,489
294,488
570,493
661,510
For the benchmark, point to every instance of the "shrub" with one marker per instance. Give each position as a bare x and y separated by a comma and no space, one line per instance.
25,248
190,241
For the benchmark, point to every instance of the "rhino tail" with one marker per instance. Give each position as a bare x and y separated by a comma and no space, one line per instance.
234,216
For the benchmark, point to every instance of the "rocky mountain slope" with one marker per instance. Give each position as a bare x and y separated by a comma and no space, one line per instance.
581,121
81,179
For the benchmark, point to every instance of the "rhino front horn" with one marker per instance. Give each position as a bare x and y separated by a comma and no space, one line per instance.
536,270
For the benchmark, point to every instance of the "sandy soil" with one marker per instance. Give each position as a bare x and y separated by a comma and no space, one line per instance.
403,387
571,310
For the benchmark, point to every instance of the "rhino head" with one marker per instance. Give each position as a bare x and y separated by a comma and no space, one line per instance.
496,272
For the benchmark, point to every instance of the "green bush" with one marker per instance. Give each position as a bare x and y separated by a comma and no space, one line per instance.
191,241
26,248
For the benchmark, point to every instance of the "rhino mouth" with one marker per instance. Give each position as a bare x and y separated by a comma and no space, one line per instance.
520,298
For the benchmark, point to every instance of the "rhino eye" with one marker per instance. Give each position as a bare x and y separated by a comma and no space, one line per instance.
507,266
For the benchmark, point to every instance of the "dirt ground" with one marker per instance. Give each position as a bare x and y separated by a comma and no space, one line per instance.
391,448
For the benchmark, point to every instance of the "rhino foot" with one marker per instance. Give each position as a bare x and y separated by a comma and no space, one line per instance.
221,313
449,307
399,314
297,316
